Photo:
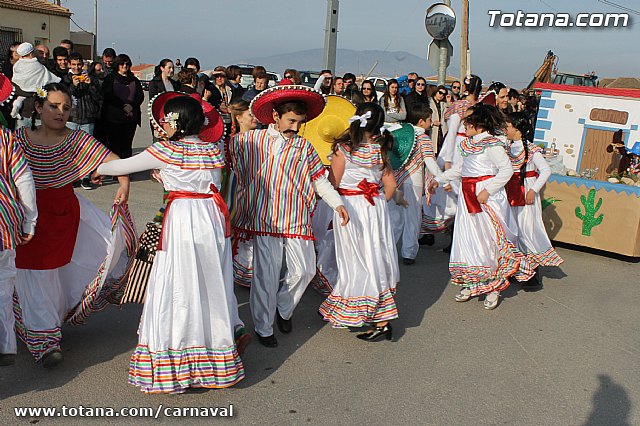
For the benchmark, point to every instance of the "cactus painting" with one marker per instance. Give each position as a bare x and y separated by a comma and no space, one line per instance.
589,219
546,202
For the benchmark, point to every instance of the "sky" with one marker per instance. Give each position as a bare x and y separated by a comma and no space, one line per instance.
217,32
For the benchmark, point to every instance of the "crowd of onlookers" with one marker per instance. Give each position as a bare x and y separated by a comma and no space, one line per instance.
107,97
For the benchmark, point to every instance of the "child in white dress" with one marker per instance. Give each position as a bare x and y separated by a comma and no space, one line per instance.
365,250
186,334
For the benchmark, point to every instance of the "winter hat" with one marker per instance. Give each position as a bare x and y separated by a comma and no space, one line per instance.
24,49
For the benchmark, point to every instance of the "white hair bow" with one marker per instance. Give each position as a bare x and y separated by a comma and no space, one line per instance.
363,118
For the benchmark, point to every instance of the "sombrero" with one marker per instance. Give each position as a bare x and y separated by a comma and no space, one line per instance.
6,89
213,128
262,106
329,125
488,98
403,140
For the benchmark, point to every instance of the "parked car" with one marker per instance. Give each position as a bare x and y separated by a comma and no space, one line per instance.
309,78
247,77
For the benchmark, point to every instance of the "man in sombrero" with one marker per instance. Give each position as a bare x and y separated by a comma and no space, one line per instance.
279,174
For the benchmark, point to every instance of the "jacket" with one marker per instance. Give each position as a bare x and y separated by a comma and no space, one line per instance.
86,100
113,87
156,86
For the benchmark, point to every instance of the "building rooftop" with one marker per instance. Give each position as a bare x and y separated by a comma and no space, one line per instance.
39,6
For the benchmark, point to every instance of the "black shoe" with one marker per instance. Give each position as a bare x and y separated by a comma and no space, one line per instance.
407,261
533,284
284,325
377,333
86,184
269,341
52,359
427,239
7,359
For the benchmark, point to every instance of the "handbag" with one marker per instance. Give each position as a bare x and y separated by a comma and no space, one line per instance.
136,288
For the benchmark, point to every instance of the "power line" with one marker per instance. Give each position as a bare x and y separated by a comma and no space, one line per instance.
610,3
89,32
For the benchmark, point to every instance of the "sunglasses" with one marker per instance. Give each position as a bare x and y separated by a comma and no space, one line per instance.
420,84
366,88
288,76
442,93
455,87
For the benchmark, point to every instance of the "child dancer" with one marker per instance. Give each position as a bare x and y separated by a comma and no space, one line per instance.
365,252
531,172
410,180
482,255
76,248
18,214
241,121
186,333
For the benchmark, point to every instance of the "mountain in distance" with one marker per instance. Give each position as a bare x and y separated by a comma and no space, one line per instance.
358,62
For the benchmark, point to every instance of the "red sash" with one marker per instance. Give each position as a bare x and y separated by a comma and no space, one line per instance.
464,135
368,189
469,192
217,198
515,190
56,230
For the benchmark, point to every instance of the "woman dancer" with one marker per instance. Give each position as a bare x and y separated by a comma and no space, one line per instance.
365,252
76,248
186,334
482,254
531,172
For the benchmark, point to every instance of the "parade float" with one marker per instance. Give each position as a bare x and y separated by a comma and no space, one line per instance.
592,141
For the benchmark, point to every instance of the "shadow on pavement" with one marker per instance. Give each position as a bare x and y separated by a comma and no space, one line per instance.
418,291
106,334
611,404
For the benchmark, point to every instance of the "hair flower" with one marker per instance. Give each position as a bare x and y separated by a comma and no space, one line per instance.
172,119
41,92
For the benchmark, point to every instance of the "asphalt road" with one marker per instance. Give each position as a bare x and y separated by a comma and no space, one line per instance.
567,355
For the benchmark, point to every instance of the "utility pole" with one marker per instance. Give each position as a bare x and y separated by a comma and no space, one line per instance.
442,69
95,29
331,35
465,67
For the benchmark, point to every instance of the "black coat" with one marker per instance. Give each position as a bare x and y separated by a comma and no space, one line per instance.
156,85
88,98
112,108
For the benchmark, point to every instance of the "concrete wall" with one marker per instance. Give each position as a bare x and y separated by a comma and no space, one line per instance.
57,27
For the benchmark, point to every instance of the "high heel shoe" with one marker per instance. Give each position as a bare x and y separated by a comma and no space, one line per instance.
377,333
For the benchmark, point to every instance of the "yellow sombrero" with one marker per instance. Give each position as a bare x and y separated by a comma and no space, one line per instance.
329,125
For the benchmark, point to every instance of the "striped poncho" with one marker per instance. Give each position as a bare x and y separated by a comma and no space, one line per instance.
12,165
275,195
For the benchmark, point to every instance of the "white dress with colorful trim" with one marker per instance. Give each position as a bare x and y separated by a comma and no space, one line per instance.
70,287
439,209
186,333
365,250
532,235
483,252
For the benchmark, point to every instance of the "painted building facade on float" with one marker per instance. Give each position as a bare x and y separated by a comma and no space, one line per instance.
581,122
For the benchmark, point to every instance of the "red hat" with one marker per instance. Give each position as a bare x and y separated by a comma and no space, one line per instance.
6,89
213,128
264,103
489,98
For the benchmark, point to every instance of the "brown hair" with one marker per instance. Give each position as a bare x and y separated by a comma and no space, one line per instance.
295,75
187,76
354,136
236,109
299,108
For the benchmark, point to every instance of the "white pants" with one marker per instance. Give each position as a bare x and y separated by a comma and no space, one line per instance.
406,221
266,291
7,285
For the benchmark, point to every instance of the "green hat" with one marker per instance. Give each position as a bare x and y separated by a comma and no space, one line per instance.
403,141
